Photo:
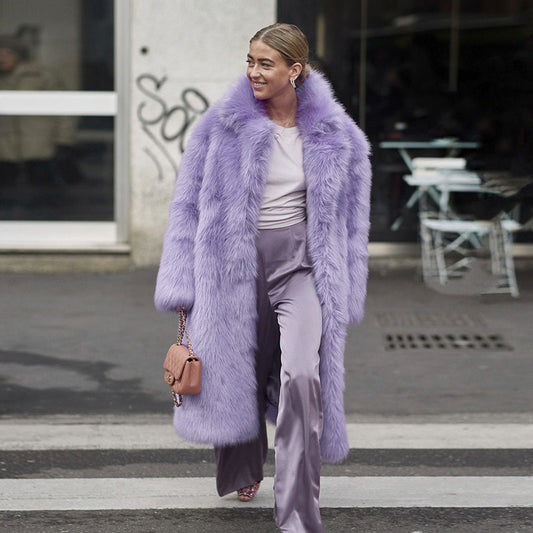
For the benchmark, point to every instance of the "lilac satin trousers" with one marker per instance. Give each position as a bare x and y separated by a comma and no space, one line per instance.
290,323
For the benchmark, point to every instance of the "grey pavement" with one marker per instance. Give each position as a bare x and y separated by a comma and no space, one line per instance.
88,343
88,348
260,521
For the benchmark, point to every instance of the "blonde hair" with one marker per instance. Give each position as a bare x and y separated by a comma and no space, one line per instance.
290,42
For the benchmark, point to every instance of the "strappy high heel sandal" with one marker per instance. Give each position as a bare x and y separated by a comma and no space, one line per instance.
248,493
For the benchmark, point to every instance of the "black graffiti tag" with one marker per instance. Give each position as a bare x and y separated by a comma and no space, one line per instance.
170,123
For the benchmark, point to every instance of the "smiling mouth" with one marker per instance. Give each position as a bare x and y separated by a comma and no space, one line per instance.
257,85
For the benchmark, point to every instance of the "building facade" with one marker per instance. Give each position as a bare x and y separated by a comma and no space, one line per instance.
97,98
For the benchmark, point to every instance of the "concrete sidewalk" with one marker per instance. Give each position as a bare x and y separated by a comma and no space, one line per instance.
92,344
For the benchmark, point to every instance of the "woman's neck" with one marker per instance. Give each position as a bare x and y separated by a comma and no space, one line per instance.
282,109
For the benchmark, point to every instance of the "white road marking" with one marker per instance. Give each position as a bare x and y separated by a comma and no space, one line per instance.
127,436
196,493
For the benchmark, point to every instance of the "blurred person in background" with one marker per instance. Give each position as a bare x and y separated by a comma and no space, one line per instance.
37,148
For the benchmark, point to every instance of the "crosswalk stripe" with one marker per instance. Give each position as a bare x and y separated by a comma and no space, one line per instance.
100,436
197,493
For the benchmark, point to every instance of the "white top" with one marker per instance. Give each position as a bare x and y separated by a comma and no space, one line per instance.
284,197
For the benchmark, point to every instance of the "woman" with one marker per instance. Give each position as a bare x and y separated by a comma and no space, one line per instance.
39,145
266,247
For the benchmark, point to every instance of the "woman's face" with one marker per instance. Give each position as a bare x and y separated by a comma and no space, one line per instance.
268,72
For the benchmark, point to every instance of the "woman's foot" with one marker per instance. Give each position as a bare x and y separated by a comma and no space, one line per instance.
247,493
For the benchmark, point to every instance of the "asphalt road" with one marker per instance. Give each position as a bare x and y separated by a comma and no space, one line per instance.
81,350
260,521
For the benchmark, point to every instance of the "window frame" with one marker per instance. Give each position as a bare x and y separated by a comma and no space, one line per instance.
65,235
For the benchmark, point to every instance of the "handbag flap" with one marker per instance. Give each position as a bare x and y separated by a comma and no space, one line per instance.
176,359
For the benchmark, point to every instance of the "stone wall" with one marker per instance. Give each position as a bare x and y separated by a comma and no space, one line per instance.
184,54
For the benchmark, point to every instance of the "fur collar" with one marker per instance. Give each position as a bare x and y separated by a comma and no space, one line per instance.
318,110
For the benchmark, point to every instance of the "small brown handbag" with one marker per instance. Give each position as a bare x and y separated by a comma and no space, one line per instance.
183,369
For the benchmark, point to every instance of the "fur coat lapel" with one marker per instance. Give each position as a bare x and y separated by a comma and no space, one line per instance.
209,262
321,122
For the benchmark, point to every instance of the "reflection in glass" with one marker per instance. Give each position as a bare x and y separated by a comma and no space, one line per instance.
421,70
69,43
56,168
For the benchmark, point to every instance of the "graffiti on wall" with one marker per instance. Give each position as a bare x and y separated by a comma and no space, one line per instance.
167,125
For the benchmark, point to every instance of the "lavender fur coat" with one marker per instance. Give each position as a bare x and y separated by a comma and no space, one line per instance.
208,264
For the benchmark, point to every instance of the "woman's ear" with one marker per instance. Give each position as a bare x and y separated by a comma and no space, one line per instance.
295,70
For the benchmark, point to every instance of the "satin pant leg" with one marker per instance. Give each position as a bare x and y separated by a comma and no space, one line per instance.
299,421
285,273
241,465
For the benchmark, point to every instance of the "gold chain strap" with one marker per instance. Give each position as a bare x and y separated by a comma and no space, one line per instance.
178,398
183,329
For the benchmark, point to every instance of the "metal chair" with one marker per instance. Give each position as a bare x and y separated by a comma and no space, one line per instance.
449,243
430,172
447,249
501,248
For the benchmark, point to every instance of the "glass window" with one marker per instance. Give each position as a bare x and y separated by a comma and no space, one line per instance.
56,163
424,70
56,168
58,44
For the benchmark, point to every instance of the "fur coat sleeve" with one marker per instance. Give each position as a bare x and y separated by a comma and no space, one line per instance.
358,224
175,279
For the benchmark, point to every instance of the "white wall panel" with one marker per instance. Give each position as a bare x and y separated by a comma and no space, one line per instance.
178,45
